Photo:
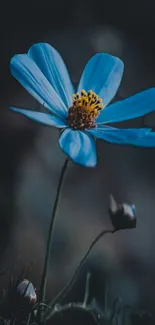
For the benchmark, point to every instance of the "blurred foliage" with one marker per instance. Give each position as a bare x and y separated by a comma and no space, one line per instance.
85,312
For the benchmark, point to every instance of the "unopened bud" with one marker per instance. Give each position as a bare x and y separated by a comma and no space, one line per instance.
26,290
123,215
23,297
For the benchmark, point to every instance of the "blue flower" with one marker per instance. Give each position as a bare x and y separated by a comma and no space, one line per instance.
82,116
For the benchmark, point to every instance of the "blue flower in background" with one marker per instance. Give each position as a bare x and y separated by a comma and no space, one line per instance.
82,116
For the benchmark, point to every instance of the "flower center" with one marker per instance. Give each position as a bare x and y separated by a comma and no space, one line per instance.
86,107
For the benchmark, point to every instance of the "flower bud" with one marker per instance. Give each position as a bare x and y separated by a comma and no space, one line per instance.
26,290
23,297
123,215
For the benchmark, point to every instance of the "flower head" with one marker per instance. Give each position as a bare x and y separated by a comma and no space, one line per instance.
84,115
123,215
84,111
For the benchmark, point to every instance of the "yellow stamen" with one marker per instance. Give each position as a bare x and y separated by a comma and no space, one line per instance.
88,101
86,107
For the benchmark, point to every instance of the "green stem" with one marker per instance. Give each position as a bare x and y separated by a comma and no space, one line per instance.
50,234
69,284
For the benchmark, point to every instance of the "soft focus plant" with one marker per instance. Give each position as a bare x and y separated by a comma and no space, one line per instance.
82,116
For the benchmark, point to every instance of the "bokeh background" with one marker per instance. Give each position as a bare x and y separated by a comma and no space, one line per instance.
31,160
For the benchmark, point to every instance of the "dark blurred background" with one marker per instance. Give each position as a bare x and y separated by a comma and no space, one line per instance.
31,159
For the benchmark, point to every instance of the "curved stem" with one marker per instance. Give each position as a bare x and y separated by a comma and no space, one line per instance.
49,240
69,284
75,306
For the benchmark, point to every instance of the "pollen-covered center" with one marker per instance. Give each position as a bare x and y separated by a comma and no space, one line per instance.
85,108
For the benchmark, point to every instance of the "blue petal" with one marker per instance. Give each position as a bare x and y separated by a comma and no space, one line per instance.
147,141
53,67
43,118
120,136
102,74
130,108
24,69
79,146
